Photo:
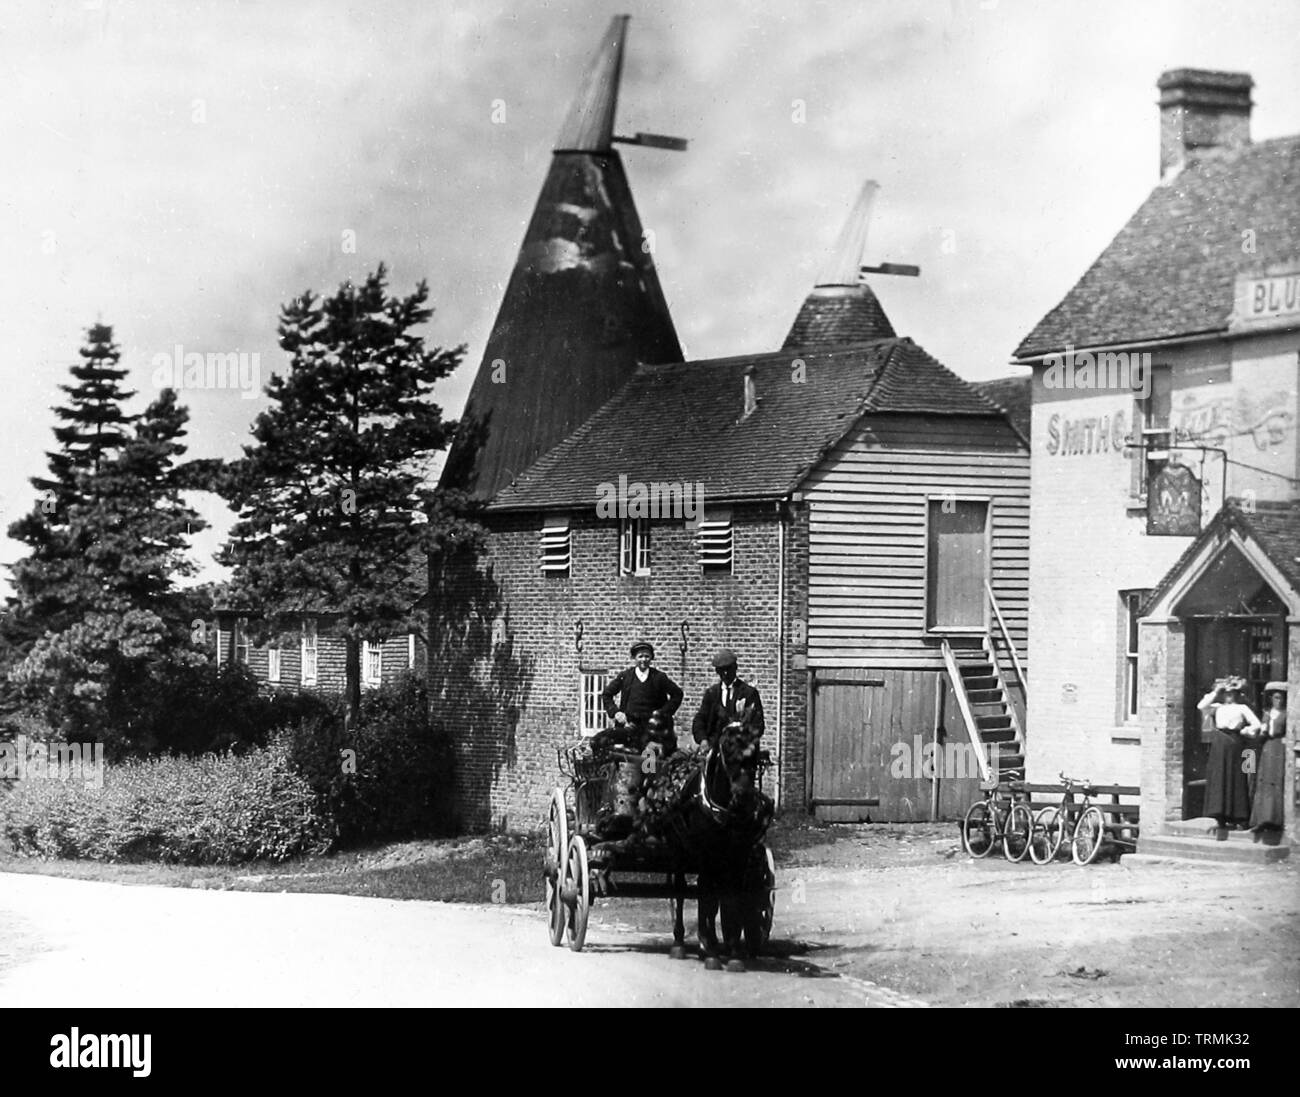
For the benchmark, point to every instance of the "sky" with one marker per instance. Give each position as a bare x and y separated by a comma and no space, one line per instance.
179,171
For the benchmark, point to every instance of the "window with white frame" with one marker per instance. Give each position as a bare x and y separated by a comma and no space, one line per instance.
714,541
1151,432
372,662
273,664
557,544
309,653
410,651
591,685
240,654
1130,608
634,546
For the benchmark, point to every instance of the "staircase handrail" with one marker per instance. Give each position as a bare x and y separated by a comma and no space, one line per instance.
967,716
1006,636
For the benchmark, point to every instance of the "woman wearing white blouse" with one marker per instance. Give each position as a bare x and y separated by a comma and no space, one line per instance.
1227,791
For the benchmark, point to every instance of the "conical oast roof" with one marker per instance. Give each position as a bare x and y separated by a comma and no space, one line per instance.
583,306
842,308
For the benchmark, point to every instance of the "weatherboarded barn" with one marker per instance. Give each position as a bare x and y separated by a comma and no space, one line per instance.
859,505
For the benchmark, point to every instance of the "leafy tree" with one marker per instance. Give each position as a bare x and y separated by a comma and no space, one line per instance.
333,509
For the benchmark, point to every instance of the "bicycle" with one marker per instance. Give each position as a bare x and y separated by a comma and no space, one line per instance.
1083,824
998,817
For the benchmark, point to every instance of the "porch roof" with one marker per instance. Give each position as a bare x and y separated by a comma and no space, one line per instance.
1273,527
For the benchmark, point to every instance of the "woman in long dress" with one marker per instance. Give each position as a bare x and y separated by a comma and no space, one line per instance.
1266,801
1227,791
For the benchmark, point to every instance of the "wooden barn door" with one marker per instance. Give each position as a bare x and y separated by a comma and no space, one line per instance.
869,729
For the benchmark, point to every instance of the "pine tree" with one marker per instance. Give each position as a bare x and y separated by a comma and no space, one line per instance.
97,622
331,497
50,584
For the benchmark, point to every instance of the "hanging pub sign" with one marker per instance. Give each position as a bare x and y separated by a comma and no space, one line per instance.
1174,503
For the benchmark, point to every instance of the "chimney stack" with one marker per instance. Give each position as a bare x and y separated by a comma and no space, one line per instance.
1201,109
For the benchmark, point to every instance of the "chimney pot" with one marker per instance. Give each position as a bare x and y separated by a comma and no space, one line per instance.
1201,109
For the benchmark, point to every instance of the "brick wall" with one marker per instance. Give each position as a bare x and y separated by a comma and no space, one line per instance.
511,703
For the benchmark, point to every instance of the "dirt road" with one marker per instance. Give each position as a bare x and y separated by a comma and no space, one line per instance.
78,943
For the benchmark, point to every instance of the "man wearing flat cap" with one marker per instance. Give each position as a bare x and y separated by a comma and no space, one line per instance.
725,701
643,691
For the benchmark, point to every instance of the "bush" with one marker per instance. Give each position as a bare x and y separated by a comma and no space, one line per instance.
197,710
313,786
211,810
390,778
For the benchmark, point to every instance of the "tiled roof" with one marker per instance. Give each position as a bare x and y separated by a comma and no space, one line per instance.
1275,527
832,316
683,422
1171,270
1014,396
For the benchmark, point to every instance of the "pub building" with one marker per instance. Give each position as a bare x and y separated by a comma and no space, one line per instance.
1165,510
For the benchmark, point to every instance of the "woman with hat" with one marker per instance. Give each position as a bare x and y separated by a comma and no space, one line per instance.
1266,799
643,691
1227,792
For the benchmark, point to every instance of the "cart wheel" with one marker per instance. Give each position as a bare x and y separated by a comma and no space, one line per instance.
577,890
760,901
1048,832
1020,829
557,849
977,830
1088,834
769,883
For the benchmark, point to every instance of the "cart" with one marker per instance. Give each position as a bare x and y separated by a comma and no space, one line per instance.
595,850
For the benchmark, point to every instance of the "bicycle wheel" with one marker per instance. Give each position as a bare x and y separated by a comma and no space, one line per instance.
1020,826
977,829
1048,832
1088,835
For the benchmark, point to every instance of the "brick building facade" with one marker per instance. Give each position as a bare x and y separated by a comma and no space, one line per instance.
1165,464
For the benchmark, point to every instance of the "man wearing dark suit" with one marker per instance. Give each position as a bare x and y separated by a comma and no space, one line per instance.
642,690
725,700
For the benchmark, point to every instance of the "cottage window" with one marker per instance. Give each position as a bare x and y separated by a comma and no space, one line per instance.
714,542
273,664
372,662
634,547
591,712
1131,603
1151,432
410,651
309,653
241,641
557,545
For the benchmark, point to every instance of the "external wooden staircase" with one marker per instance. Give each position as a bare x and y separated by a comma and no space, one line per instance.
984,700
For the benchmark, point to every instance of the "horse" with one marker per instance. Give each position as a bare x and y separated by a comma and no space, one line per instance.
718,819
740,814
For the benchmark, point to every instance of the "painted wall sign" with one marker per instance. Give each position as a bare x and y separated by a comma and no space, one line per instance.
1271,301
1093,434
1210,418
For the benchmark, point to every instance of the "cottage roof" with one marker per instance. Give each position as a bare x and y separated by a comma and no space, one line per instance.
583,307
1171,270
685,422
1273,526
1014,395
